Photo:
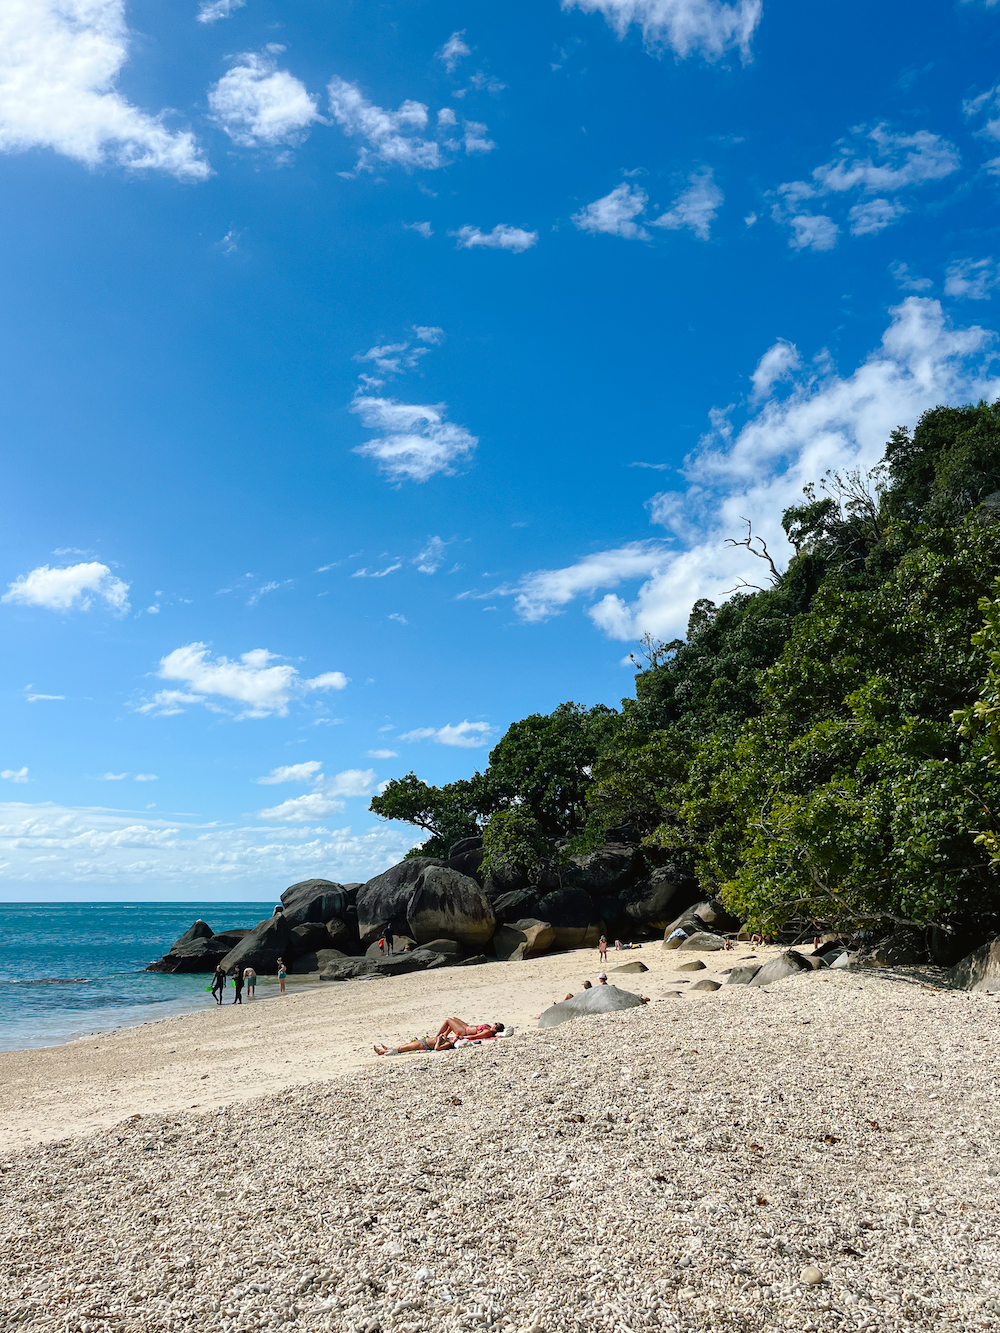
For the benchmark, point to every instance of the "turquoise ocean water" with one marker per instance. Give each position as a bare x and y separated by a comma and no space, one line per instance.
68,969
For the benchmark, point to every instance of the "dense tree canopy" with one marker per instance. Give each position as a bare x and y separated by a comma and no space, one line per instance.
826,746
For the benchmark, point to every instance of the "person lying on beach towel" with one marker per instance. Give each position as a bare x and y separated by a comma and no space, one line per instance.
476,1031
418,1044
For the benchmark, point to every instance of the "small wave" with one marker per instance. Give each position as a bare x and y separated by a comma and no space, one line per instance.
51,981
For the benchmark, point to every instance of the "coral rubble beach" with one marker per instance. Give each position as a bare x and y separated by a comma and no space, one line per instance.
676,1166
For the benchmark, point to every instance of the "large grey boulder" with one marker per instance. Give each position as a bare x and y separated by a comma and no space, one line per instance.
631,967
708,915
314,900
654,901
979,972
201,930
263,946
702,942
382,901
787,964
515,905
394,965
197,950
446,904
598,1000
602,871
466,856
526,938
573,917
308,938
903,947
316,962
742,976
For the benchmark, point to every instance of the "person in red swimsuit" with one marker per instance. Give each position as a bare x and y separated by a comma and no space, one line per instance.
474,1031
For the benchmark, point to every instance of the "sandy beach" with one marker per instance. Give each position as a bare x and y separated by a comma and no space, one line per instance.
676,1166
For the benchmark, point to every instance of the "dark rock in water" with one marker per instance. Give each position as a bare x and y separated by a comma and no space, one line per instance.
314,900
979,972
609,867
263,946
197,950
573,917
787,964
382,901
316,962
703,941
654,901
515,906
228,939
631,967
199,931
598,1000
445,903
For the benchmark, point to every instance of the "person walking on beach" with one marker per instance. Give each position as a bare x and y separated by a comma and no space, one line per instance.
387,936
282,973
219,983
238,983
250,981
602,949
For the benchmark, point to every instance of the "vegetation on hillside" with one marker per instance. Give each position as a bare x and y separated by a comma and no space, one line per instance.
825,746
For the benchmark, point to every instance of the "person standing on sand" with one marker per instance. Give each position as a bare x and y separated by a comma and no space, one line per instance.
250,981
388,937
282,973
602,949
219,983
238,983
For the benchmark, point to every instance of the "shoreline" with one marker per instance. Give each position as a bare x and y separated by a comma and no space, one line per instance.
228,1054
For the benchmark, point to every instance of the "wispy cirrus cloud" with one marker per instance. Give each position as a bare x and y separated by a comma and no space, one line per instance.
417,442
259,682
686,27
59,69
69,588
210,11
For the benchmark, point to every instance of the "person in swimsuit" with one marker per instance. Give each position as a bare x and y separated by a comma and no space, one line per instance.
219,983
419,1044
602,949
238,983
282,973
250,981
475,1031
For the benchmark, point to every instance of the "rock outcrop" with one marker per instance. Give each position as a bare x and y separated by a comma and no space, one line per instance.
445,903
197,950
598,1000
382,901
526,938
315,900
263,946
787,964
573,917
980,971
652,902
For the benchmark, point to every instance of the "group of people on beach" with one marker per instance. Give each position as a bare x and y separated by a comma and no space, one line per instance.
243,978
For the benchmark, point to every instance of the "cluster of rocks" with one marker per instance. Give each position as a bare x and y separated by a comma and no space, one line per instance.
446,913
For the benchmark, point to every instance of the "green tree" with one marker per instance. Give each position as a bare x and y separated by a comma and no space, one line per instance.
446,813
513,841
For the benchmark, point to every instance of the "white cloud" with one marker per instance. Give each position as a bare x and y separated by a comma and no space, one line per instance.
253,681
146,777
15,774
376,573
418,442
986,102
453,50
327,798
474,138
501,237
399,619
393,358
813,231
696,207
153,610
210,11
827,421
973,279
466,735
43,844
112,777
447,117
305,772
430,559
615,214
34,698
382,754
390,135
429,333
59,66
874,216
777,363
257,103
72,588
910,282
423,229
687,27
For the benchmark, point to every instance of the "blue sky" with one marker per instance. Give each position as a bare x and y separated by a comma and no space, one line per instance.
377,374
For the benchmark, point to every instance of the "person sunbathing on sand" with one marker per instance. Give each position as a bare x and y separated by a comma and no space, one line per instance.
475,1031
443,1043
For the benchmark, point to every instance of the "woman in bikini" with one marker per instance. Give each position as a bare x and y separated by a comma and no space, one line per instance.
419,1044
474,1031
